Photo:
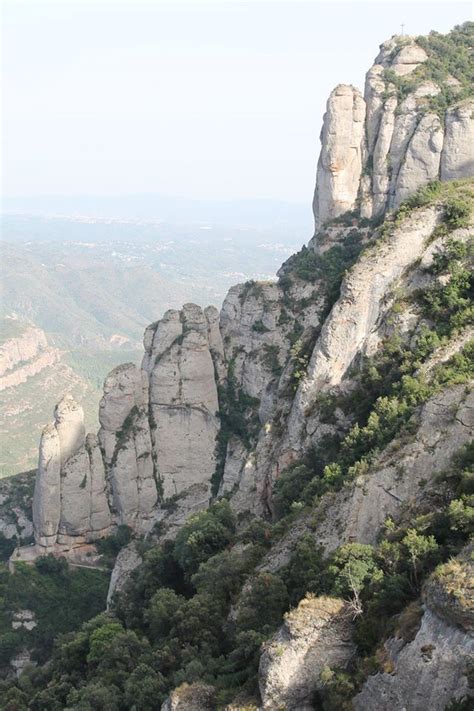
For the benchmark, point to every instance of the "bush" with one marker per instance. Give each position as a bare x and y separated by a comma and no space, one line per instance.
457,212
204,535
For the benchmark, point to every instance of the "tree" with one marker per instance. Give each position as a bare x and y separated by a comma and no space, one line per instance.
263,604
162,611
144,689
204,535
353,567
419,547
101,640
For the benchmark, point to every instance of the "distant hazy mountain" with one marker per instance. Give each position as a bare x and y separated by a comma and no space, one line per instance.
177,210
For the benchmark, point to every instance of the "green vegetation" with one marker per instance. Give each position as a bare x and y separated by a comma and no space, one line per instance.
60,598
238,415
111,546
327,268
449,56
271,359
199,608
251,288
259,327
171,623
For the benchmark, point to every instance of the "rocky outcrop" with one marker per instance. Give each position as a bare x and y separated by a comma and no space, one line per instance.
125,440
340,161
127,560
191,697
22,348
183,396
70,502
378,150
47,496
399,481
457,158
25,355
403,476
428,672
316,636
361,302
157,436
434,668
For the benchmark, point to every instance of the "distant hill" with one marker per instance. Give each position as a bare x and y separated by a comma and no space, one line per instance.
257,214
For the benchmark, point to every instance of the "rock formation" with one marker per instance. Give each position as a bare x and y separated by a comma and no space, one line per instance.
378,150
434,667
183,396
157,438
70,502
340,161
24,356
315,636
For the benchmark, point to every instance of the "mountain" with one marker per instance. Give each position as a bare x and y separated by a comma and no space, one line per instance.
285,486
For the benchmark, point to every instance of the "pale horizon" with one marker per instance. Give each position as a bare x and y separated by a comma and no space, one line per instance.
206,101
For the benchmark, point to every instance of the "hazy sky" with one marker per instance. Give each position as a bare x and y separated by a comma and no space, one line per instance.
207,100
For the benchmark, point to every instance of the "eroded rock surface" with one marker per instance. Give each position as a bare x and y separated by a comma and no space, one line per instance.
191,697
434,668
183,398
340,161
315,635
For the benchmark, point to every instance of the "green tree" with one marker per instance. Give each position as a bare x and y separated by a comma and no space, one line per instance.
353,567
419,547
144,689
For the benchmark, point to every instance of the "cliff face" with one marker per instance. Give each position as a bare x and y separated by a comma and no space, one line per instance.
24,356
379,148
157,438
230,403
434,667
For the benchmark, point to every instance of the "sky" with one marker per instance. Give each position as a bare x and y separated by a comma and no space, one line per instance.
206,100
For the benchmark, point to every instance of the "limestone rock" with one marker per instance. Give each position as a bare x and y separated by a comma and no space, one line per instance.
21,349
457,159
69,423
408,59
25,356
360,304
449,592
315,635
427,673
340,161
126,442
216,345
183,398
422,159
191,697
84,507
402,476
127,560
47,495
250,328
398,482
